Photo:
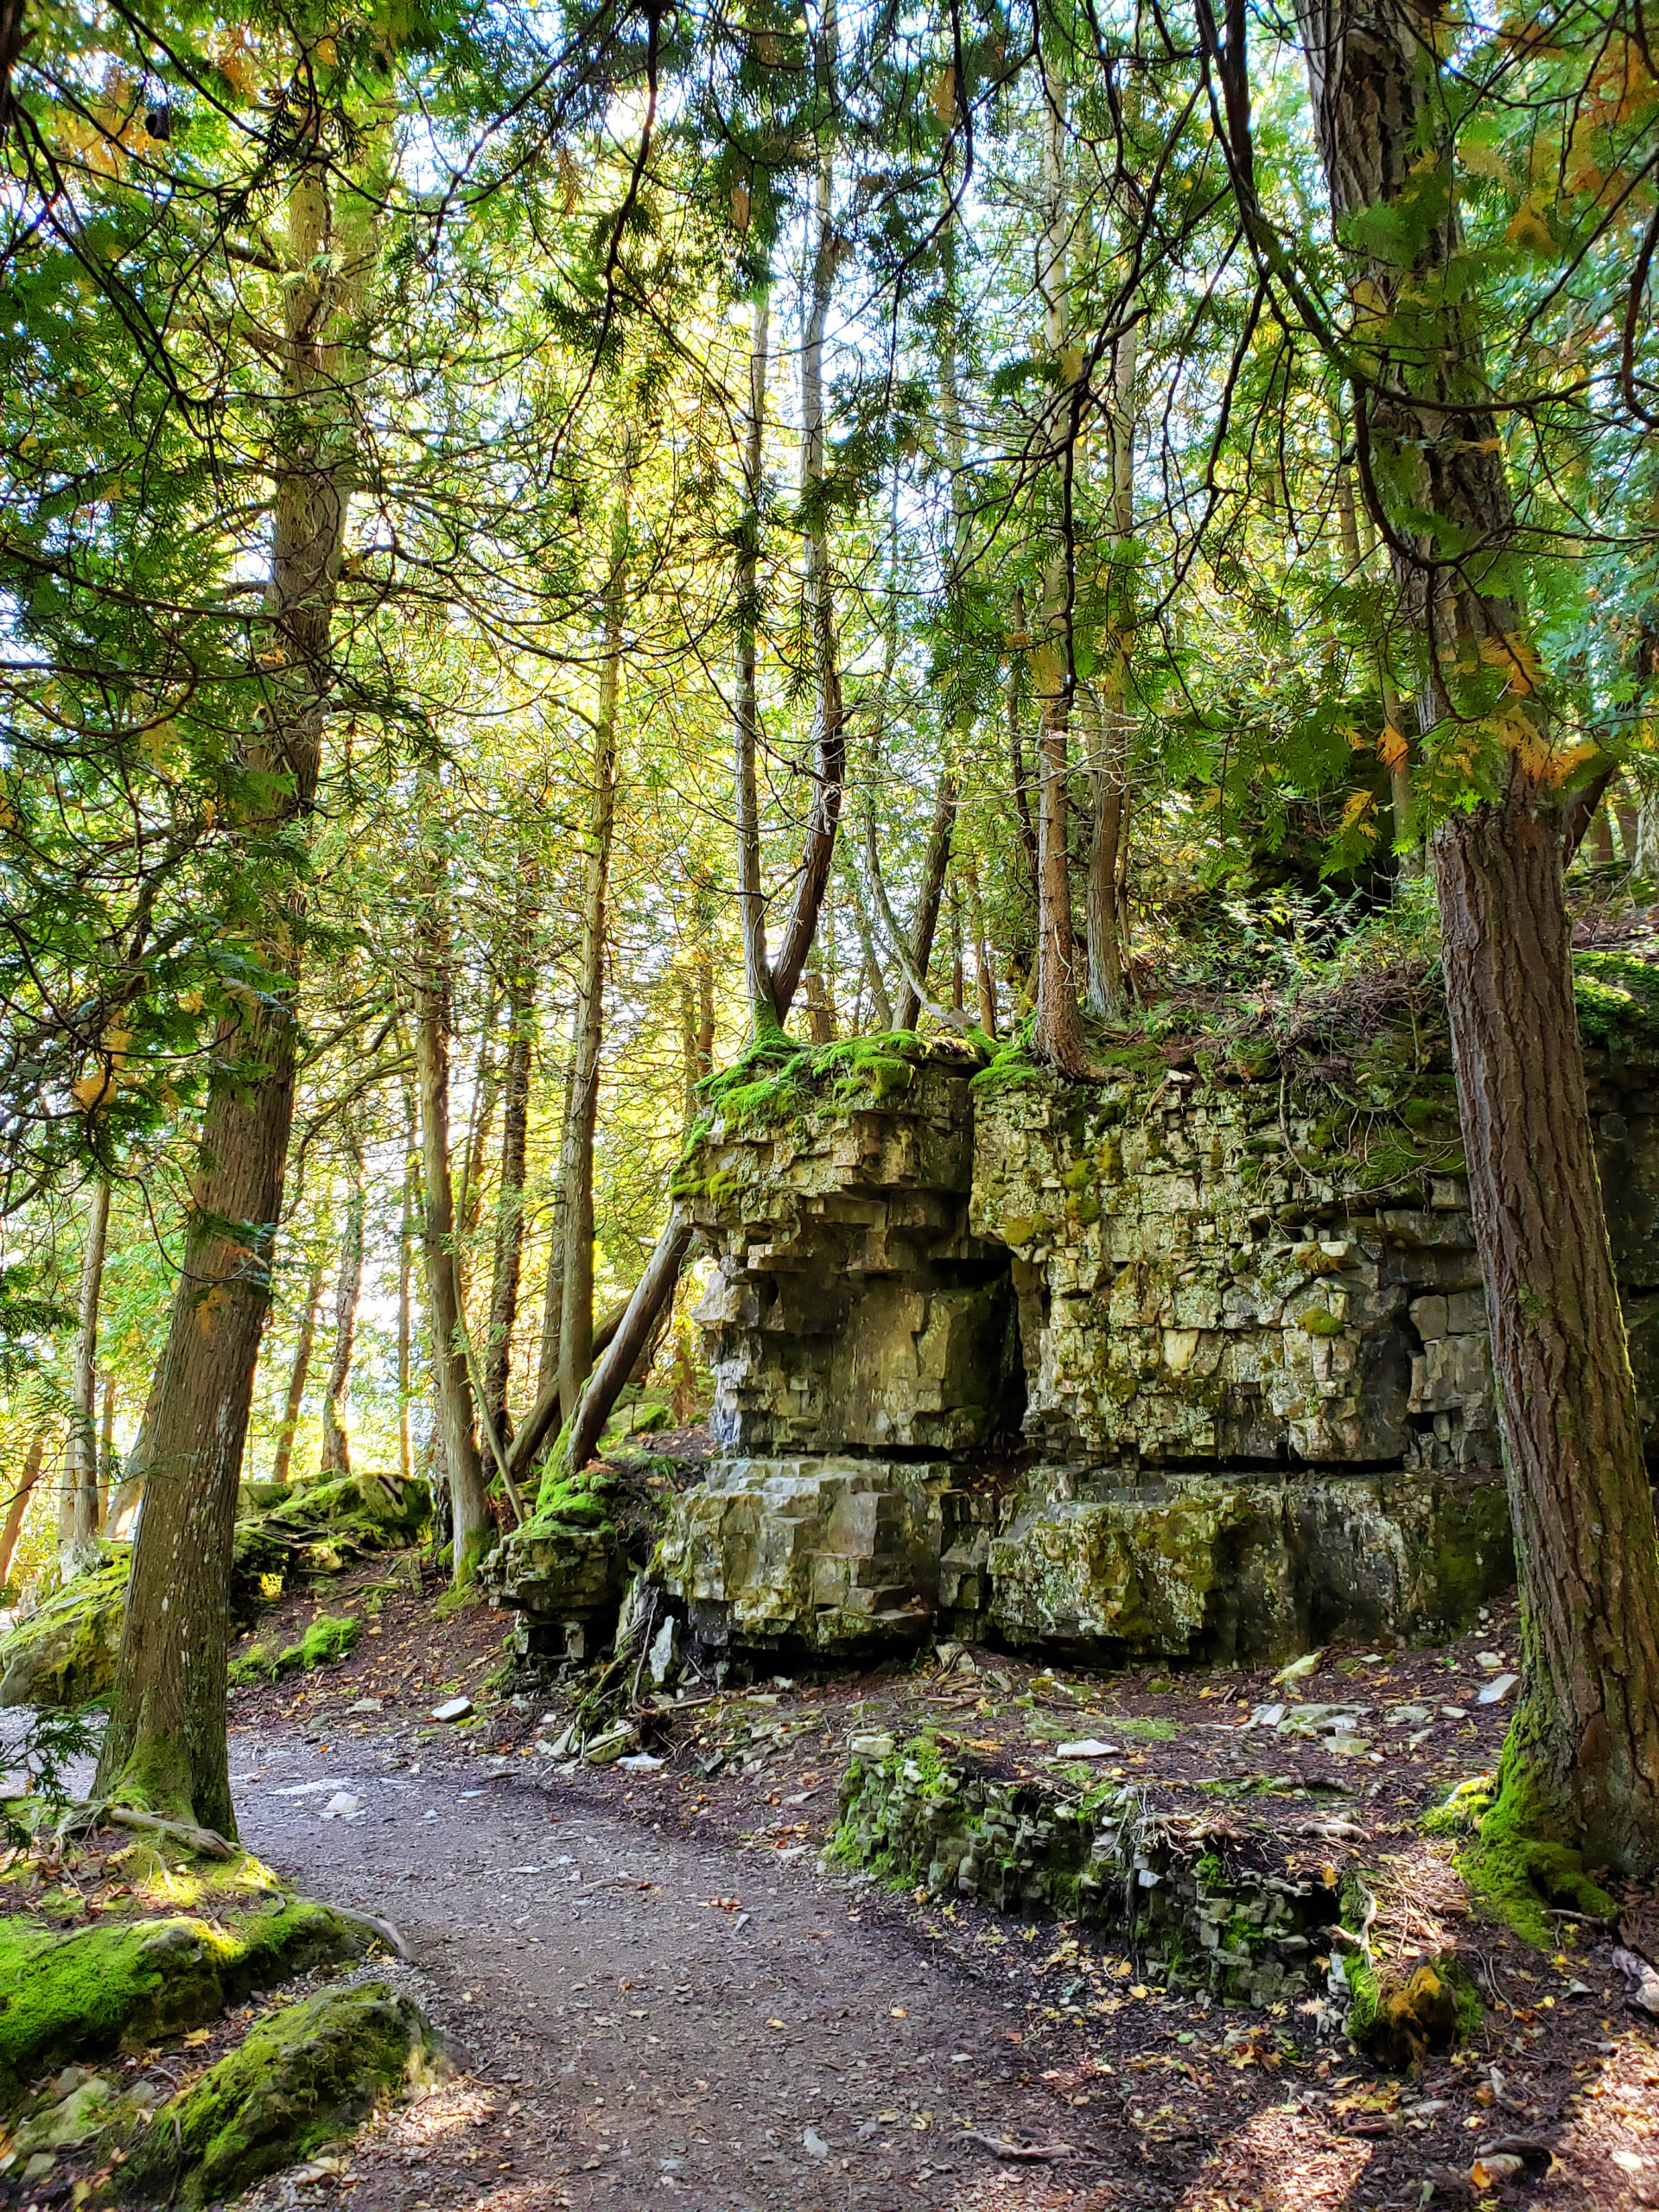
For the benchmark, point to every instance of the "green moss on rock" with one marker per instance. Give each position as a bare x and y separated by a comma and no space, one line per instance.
64,1654
330,1636
82,1995
300,2079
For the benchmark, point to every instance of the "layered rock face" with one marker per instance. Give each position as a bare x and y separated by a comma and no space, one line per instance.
1164,1366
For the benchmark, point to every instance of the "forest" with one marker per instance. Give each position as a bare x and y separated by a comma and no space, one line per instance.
830,857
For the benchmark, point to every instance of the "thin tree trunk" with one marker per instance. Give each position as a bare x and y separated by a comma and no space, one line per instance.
880,1004
405,1289
1018,778
487,1089
984,973
106,1453
78,1523
639,1322
750,896
296,1378
1056,1034
1581,1765
1102,914
12,1528
510,1194
336,1449
935,865
469,1511
829,731
581,1101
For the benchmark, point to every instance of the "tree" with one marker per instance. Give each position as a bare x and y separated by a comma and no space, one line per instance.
1581,1765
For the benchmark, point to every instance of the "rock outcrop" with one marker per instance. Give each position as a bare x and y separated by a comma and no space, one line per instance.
1191,1361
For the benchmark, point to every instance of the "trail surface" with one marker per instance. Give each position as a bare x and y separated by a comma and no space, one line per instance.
652,2020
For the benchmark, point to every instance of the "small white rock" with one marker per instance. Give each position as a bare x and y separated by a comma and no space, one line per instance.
1454,1713
641,1762
342,1806
364,1705
453,1708
1087,1747
1489,1662
815,2146
1497,1690
873,1744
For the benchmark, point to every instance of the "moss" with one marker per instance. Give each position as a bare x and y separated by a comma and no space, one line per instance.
82,1995
1462,1811
64,1654
1617,998
1319,1321
1025,1229
1398,2024
300,2079
579,1500
1148,1731
1518,1864
330,1636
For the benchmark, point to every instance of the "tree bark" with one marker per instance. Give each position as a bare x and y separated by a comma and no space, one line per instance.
935,865
1581,1766
336,1449
984,973
405,1300
297,1377
1103,914
829,732
12,1528
164,1749
582,1100
1057,1035
79,1521
469,1510
751,895
510,1194
612,1372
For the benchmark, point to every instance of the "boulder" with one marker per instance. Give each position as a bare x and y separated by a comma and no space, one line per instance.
64,1653
300,2079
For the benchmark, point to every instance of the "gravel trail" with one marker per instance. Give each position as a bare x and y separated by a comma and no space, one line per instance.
645,2019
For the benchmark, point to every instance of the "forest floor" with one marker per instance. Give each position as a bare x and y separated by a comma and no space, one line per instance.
658,1997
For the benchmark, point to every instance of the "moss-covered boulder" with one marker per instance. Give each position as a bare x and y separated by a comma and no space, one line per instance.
64,1654
289,1531
120,1983
301,2078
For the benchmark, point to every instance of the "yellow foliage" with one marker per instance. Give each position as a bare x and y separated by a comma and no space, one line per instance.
1393,747
943,95
1528,228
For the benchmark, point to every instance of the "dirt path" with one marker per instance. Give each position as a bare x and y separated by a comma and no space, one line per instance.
631,2035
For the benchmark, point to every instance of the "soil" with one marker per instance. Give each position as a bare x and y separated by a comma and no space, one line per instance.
657,1996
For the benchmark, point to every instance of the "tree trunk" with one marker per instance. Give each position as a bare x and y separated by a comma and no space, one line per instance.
581,1098
1103,911
17,1506
751,896
106,1453
165,1749
301,1367
509,1195
1018,778
165,1746
406,1301
612,1372
829,732
935,865
78,1522
984,974
1582,1762
1581,1766
880,1004
336,1450
469,1510
486,1090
